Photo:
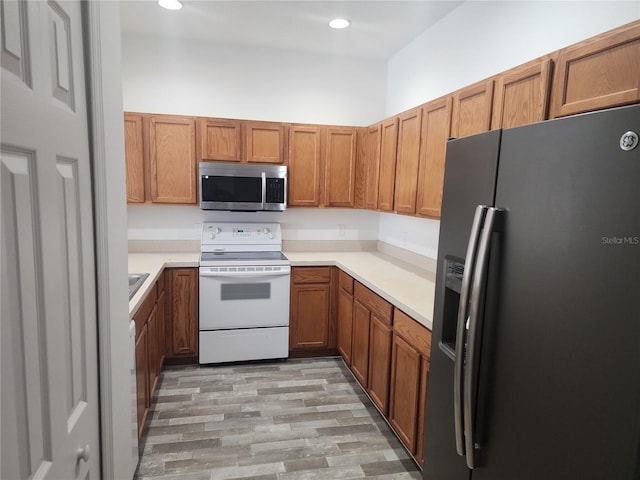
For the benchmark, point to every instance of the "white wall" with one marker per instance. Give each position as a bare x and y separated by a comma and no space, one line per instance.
198,78
475,41
150,222
480,39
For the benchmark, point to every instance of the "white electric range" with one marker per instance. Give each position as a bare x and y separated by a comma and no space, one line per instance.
244,293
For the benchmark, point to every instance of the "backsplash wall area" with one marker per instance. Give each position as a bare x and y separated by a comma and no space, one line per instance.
167,222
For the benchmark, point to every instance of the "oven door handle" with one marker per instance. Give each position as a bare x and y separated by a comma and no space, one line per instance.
244,274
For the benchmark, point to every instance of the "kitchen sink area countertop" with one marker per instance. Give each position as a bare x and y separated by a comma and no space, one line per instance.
153,264
409,288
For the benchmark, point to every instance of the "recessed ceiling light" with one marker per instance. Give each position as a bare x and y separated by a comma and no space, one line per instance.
339,23
170,4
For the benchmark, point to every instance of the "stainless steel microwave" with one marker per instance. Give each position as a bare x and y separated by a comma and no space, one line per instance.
243,187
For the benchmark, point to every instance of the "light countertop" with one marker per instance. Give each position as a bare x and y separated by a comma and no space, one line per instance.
406,287
153,264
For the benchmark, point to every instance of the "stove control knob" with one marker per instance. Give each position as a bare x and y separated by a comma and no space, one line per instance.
212,235
267,230
218,230
271,236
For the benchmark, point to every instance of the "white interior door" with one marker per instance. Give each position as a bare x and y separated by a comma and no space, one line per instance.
49,401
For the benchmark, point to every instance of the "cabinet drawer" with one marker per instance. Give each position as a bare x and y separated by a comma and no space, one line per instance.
311,275
145,309
374,302
345,281
417,335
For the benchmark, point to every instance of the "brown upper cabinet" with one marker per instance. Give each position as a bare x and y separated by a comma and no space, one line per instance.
340,166
265,142
387,175
436,129
220,139
522,95
172,159
472,109
160,158
407,159
601,72
372,166
304,175
242,141
322,166
134,155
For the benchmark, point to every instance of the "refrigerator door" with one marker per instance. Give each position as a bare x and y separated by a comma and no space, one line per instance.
469,181
559,394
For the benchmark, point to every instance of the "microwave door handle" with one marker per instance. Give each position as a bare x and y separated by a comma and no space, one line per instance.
264,190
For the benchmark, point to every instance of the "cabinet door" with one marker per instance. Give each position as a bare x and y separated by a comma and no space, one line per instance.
436,129
345,324
340,167
172,159
162,329
407,159
309,326
183,328
152,351
360,342
472,109
522,95
372,166
304,173
379,363
142,378
387,175
405,391
134,157
265,142
600,72
220,139
422,410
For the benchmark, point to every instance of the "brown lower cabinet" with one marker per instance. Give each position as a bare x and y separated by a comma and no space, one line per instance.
182,331
158,320
147,352
310,309
380,335
360,342
345,316
409,381
142,378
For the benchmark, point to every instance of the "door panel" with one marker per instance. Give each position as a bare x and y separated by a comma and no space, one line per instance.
563,363
475,158
49,344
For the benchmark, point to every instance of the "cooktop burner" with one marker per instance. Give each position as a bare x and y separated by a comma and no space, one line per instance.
243,258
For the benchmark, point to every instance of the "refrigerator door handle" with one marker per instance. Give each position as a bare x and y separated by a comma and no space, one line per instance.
475,327
461,327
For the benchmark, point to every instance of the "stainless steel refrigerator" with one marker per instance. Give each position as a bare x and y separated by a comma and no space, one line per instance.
535,361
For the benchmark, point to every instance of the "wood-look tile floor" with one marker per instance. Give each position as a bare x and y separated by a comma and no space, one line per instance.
300,419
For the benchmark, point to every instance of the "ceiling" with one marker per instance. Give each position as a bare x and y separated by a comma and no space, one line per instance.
378,28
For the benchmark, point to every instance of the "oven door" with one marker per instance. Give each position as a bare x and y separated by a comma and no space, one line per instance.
244,299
